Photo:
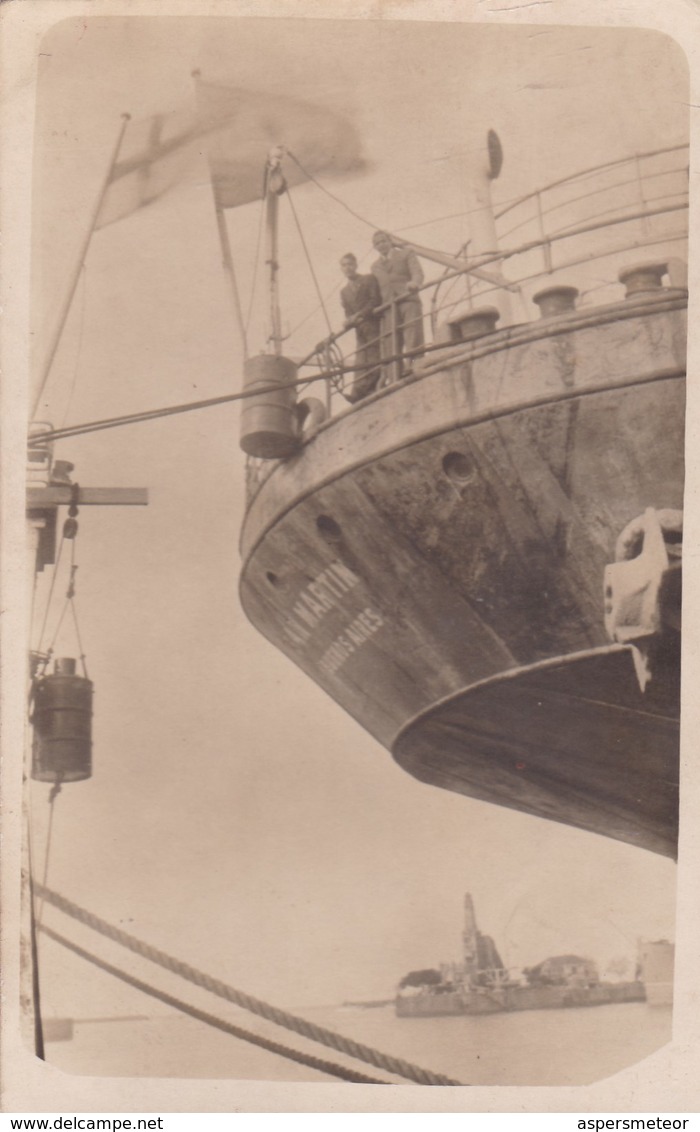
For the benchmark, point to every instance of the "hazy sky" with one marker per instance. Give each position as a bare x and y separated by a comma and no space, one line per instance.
236,816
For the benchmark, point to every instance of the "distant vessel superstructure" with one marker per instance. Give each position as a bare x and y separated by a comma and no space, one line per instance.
480,984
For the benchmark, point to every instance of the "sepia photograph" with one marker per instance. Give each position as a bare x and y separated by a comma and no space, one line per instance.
347,745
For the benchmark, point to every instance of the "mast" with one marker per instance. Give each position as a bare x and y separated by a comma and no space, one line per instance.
275,185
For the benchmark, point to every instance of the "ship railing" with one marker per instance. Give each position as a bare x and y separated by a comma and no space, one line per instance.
578,222
586,226
589,222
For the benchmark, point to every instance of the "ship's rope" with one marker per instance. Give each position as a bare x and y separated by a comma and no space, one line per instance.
358,1050
86,427
330,1067
450,355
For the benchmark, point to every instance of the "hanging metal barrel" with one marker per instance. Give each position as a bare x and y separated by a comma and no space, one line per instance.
62,719
269,420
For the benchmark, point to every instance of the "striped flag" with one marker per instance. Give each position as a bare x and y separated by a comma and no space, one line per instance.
243,127
156,154
235,128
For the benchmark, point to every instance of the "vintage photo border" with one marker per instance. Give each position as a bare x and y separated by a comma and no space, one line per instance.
665,1082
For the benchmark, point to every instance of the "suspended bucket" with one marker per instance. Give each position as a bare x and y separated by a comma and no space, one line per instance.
269,421
62,719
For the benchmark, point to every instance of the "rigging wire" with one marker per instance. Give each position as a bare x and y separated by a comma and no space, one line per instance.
256,262
74,612
170,410
87,236
329,294
70,593
407,228
50,596
309,262
79,347
53,794
70,531
329,1067
338,200
210,402
70,603
299,1025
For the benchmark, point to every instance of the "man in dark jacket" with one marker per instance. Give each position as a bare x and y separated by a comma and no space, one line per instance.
360,295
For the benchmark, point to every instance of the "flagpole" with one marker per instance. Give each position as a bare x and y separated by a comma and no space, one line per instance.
230,270
67,302
227,255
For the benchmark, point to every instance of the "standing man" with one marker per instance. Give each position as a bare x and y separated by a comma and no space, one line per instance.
360,296
400,276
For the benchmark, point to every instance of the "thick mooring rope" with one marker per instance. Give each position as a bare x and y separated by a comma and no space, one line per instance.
358,1050
330,1067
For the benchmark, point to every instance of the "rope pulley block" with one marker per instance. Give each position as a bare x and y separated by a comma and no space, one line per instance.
70,527
62,720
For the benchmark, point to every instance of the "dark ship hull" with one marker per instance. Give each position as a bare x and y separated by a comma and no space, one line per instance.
434,559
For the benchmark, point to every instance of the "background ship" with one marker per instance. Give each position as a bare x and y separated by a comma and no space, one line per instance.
481,984
481,563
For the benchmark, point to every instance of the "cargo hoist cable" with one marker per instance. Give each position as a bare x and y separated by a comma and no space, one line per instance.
69,533
398,1066
69,604
44,658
